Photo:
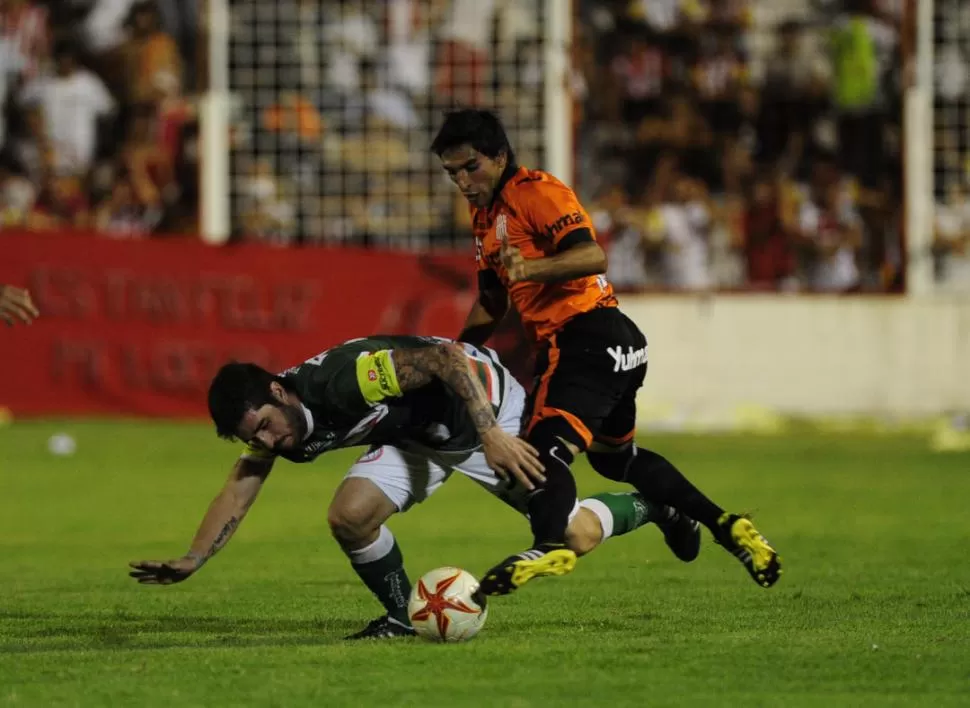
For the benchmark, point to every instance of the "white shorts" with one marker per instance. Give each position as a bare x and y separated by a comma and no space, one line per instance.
409,476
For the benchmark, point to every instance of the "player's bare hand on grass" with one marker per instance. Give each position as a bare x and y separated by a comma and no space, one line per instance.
514,263
16,305
512,458
149,572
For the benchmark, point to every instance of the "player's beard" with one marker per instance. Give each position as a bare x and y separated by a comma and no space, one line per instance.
296,422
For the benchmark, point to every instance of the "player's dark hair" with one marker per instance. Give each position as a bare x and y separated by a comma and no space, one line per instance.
235,389
476,127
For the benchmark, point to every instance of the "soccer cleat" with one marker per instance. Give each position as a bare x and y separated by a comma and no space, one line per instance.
515,571
742,540
682,535
383,628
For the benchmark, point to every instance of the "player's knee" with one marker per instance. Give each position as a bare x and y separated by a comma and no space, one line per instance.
584,532
553,437
352,524
612,463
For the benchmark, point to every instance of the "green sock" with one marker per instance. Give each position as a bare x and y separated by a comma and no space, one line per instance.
623,512
381,566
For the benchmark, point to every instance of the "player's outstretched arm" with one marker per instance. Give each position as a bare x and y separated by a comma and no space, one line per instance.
218,525
16,304
487,312
577,261
508,455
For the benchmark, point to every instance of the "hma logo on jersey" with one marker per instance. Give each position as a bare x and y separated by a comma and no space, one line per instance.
562,222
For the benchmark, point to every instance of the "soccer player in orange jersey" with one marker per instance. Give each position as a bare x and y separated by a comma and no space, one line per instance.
535,245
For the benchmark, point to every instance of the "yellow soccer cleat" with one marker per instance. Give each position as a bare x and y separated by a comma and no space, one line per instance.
742,540
515,571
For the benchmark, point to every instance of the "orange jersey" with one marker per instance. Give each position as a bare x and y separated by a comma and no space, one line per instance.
534,212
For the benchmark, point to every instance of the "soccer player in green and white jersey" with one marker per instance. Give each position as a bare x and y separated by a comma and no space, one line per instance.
426,407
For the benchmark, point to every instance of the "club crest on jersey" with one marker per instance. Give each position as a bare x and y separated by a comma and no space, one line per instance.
371,455
501,229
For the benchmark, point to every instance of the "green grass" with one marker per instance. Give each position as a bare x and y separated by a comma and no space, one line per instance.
872,609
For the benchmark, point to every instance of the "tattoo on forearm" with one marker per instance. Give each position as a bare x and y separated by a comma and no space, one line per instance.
417,367
223,537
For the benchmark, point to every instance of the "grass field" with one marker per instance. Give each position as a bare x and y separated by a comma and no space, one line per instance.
873,610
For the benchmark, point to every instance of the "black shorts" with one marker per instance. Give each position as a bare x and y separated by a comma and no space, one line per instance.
588,376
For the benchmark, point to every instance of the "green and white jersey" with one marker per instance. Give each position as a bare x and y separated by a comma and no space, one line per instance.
350,395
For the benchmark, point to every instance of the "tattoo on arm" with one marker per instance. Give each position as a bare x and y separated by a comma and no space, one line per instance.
417,367
223,537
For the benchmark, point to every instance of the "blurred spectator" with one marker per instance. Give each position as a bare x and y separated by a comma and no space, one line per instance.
831,231
765,238
123,214
679,131
293,115
149,166
661,15
409,45
267,214
12,65
462,64
25,25
951,91
737,14
862,49
684,235
151,58
641,71
794,95
180,20
64,114
62,203
952,240
103,29
718,75
17,195
620,229
349,35
381,103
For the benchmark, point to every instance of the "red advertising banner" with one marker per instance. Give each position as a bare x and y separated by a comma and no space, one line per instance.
139,327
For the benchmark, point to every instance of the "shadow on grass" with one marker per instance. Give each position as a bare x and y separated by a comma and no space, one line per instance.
36,632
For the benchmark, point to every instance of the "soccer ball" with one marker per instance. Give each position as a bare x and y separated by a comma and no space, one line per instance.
443,606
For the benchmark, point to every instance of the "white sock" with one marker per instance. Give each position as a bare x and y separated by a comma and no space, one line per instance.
375,551
603,513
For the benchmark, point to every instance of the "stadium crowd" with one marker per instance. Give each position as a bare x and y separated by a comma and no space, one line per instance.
729,157
721,144
96,131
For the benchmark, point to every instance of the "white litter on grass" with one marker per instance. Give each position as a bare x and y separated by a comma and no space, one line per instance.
62,445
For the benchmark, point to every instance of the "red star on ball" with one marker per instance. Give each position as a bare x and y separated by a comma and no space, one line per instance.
435,603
